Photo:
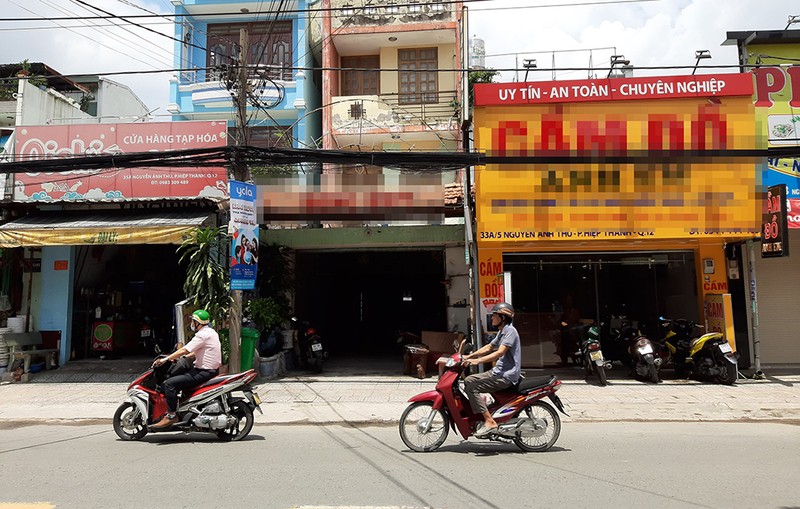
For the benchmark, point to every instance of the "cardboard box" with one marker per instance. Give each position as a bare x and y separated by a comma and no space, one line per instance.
441,342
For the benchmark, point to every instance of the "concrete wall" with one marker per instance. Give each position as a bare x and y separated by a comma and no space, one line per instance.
116,100
40,107
55,300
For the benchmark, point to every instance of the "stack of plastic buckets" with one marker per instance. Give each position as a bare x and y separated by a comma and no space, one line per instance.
4,349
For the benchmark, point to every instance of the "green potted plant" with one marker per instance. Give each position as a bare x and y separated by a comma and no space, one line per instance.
269,314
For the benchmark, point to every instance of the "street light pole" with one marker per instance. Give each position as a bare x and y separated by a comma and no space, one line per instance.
240,173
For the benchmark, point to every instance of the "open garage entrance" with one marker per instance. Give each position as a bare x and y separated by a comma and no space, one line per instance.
360,300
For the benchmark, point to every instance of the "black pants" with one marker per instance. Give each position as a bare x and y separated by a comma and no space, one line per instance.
191,378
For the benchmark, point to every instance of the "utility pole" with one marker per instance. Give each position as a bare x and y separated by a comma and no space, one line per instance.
240,173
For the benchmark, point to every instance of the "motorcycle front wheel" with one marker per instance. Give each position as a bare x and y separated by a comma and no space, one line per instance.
129,423
414,421
243,425
547,422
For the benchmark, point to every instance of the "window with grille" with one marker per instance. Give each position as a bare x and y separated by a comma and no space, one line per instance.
361,82
270,46
266,136
418,76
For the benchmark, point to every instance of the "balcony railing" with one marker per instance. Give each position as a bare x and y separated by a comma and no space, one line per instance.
271,72
438,111
388,12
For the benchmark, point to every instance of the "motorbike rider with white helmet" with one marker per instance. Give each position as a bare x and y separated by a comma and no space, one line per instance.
505,348
206,349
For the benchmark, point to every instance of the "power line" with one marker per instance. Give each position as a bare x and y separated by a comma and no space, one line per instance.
89,38
386,69
124,41
124,18
414,161
340,11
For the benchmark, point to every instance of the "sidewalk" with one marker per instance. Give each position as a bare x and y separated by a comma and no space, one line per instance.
379,399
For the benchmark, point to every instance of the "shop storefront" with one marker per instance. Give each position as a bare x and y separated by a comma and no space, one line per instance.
776,98
101,245
611,197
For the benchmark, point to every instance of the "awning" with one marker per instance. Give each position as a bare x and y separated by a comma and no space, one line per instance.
102,227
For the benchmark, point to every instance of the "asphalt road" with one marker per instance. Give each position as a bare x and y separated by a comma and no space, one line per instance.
593,465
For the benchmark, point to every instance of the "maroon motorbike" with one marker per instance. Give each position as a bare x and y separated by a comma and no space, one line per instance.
522,415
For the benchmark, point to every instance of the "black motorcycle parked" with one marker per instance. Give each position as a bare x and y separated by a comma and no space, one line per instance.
591,354
312,354
626,344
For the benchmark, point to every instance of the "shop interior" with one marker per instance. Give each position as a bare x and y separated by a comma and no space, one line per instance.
360,301
124,299
582,288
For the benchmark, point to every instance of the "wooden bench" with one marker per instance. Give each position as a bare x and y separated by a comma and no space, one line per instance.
23,345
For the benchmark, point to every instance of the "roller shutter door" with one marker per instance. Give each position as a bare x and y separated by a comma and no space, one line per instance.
778,281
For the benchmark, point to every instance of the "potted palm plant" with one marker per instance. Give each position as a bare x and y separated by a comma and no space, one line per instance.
203,254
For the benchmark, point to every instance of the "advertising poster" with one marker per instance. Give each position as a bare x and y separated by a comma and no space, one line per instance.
719,316
774,235
35,143
777,101
243,229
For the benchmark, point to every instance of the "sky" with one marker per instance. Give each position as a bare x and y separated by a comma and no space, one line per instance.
646,32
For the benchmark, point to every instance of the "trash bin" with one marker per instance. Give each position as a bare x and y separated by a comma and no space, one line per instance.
415,360
249,340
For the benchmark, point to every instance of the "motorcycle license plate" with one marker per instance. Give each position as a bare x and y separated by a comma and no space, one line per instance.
256,398
596,355
316,347
725,348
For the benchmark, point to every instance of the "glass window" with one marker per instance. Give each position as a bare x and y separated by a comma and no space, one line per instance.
418,77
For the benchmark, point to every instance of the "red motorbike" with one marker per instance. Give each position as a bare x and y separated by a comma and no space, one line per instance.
210,408
522,415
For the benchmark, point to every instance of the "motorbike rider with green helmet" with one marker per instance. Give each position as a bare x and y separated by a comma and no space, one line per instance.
206,350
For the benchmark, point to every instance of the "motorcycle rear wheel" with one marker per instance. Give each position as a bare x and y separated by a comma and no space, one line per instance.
601,375
129,423
244,423
414,419
543,412
729,372
652,371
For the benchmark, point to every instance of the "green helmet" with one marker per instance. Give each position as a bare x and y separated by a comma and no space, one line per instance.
201,316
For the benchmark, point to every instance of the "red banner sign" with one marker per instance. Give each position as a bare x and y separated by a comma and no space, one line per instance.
52,142
613,89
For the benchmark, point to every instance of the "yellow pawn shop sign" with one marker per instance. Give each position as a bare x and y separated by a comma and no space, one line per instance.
719,316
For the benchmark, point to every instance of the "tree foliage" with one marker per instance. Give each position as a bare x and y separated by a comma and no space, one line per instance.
204,254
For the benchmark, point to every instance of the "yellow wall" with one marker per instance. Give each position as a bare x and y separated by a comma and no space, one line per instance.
447,80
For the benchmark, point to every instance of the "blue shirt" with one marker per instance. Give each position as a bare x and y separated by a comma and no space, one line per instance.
510,364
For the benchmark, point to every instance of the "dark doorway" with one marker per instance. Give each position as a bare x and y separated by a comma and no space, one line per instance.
126,285
551,289
360,300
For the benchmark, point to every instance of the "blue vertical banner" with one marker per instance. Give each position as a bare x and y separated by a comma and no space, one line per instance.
243,228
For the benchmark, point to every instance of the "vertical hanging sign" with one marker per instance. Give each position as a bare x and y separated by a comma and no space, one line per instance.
243,229
774,223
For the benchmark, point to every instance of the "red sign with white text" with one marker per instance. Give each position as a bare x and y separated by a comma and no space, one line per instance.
52,142
613,89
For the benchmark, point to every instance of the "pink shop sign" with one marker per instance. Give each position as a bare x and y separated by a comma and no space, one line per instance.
119,184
